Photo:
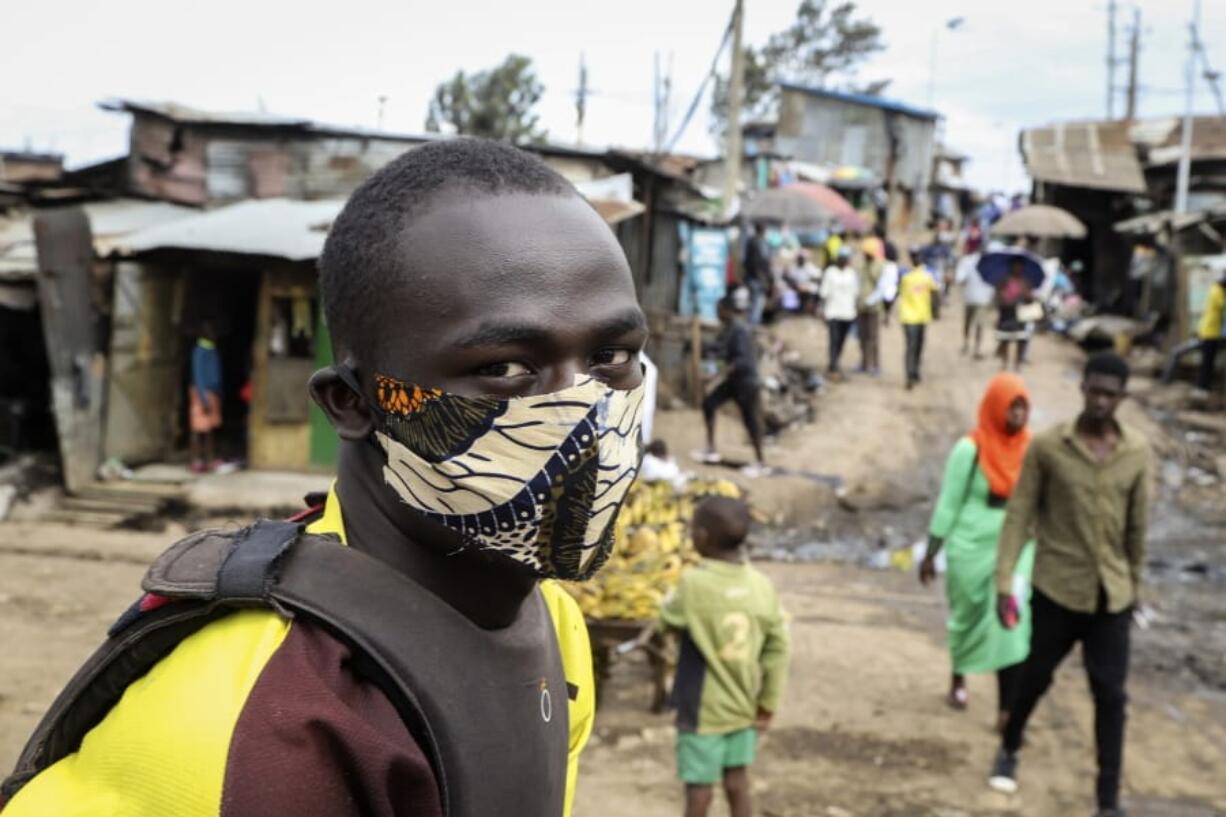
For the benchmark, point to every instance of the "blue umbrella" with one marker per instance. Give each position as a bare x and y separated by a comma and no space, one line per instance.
994,267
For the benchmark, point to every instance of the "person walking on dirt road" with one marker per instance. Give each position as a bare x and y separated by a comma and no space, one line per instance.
840,289
740,384
916,291
1212,332
980,474
1083,494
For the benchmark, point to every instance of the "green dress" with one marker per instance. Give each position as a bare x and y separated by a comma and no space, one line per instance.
971,529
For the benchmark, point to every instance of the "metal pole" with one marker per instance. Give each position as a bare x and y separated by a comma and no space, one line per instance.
732,141
1111,59
932,67
1134,56
1185,145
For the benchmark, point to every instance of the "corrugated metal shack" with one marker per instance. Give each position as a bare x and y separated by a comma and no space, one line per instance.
205,158
269,187
1109,173
895,141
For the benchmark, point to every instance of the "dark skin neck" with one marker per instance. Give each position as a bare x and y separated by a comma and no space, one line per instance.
735,556
485,592
1099,434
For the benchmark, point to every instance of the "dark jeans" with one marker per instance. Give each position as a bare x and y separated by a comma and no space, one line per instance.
745,393
838,336
1104,649
914,335
1208,361
868,325
1008,679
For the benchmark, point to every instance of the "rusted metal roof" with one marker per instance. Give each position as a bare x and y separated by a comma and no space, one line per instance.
1097,155
177,112
1153,223
276,228
866,100
1160,139
109,221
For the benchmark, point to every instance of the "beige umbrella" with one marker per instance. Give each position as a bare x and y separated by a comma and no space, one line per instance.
1041,221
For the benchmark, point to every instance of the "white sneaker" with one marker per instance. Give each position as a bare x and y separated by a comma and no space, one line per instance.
708,457
755,470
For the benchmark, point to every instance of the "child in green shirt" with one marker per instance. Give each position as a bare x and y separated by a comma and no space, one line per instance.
733,659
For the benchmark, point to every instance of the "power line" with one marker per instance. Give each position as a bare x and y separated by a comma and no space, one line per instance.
689,114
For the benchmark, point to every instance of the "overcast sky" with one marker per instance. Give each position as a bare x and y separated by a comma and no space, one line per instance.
1010,65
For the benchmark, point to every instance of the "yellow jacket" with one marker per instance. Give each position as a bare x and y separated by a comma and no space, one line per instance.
1210,327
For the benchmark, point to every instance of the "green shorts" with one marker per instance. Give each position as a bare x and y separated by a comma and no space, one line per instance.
701,759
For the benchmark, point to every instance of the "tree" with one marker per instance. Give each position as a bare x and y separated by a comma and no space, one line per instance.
496,103
826,42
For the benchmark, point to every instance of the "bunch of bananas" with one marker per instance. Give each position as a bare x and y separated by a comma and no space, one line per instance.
652,545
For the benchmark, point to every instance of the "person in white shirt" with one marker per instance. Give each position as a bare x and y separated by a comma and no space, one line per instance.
806,279
977,297
840,286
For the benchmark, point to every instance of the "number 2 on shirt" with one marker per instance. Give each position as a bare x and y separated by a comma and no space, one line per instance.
735,626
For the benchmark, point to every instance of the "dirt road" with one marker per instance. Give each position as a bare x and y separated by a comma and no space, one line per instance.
864,730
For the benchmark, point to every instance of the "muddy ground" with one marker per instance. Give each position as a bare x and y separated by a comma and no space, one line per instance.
864,729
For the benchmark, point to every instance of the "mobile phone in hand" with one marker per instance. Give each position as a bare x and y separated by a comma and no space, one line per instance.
1012,614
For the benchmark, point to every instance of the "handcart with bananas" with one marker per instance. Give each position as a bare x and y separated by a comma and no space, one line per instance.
622,602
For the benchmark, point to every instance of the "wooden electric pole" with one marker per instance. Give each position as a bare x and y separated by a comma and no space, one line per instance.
581,100
736,91
1134,55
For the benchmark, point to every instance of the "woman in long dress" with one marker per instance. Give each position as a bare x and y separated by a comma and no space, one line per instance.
980,474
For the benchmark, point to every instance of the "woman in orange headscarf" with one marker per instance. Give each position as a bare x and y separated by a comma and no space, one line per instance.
979,477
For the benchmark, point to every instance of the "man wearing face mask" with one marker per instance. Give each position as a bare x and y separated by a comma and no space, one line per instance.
401,655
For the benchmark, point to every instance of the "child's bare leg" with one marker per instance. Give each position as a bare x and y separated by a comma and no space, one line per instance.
698,799
736,787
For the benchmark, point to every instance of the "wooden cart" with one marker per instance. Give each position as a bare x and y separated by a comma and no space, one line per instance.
608,635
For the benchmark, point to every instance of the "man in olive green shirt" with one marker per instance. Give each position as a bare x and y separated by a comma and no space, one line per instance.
1083,496
732,663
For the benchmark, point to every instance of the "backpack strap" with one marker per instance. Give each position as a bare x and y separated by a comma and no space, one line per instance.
193,583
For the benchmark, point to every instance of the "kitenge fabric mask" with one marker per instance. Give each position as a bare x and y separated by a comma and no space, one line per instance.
538,479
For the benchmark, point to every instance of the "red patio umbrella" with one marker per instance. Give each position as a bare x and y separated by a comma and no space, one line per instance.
804,204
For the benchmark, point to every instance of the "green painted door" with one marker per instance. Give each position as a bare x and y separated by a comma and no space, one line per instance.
323,438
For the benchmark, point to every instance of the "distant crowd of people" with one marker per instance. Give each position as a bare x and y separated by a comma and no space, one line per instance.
853,281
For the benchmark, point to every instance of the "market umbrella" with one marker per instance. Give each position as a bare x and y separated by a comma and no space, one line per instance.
1041,221
804,204
994,267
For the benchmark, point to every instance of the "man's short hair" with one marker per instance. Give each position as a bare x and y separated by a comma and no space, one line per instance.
1108,363
362,254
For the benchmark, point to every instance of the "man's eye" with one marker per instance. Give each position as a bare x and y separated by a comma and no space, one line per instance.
504,369
612,357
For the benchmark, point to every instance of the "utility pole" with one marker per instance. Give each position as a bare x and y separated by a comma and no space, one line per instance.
659,98
581,100
1110,59
1185,145
736,88
655,103
1134,54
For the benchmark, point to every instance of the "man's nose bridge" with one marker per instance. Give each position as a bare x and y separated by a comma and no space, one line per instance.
562,376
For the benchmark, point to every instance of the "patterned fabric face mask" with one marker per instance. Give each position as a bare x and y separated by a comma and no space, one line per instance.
538,479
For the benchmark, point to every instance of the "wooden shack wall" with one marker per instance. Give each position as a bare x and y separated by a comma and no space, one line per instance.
276,445
656,269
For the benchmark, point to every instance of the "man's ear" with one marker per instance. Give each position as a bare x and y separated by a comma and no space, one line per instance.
346,410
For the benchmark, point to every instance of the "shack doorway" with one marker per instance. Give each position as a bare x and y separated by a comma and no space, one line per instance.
221,299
